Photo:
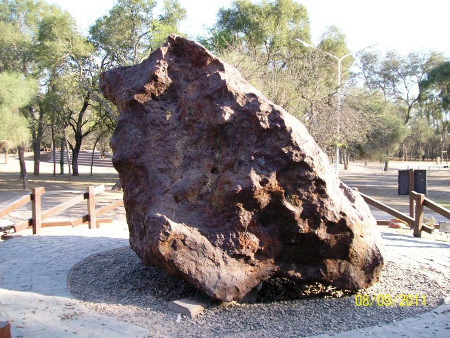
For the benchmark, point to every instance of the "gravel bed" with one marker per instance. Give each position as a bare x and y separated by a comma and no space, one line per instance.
117,284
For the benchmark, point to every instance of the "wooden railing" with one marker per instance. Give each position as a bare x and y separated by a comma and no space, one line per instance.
421,201
415,220
38,216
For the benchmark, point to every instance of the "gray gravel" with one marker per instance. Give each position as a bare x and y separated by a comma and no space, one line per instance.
117,284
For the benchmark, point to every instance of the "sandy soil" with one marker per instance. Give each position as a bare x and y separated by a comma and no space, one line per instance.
58,188
371,180
11,184
383,186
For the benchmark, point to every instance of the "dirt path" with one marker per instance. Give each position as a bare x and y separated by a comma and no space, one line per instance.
371,180
383,186
58,189
11,184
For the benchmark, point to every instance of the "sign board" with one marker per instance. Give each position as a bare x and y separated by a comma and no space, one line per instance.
403,182
420,181
444,226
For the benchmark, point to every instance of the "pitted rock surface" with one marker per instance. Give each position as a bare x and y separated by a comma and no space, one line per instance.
225,189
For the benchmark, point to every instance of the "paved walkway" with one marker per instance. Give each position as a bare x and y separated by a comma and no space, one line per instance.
34,295
33,283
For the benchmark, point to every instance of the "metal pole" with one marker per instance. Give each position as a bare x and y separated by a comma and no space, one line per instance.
338,128
338,115
338,110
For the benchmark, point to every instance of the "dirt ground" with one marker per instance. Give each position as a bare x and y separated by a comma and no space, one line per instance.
58,189
383,186
11,184
370,179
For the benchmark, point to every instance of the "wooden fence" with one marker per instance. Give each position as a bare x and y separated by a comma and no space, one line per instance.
415,219
38,215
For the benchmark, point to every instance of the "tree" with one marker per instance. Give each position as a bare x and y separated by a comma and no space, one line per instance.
333,104
15,92
131,31
79,134
397,76
420,134
19,21
62,53
270,25
357,122
387,131
259,39
435,98
43,41
70,107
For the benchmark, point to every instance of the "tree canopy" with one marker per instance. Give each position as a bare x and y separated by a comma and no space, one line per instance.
386,104
131,30
436,85
15,93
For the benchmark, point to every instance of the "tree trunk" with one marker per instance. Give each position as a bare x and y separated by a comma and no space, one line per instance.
23,168
92,156
93,150
75,153
345,158
443,138
37,138
54,150
77,126
61,157
68,158
37,156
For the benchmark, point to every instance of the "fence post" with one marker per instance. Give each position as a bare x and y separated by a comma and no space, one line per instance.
36,206
91,207
411,188
418,220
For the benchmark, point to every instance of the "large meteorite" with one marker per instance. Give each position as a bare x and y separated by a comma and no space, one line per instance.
223,188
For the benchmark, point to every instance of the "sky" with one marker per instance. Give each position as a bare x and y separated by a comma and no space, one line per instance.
400,25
